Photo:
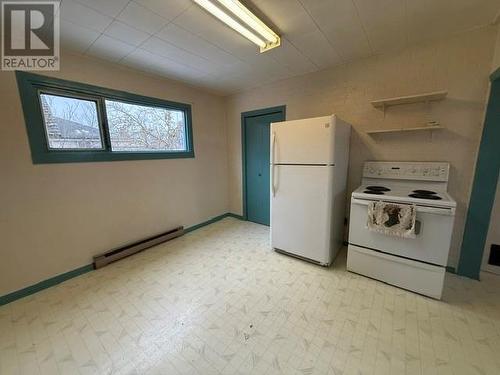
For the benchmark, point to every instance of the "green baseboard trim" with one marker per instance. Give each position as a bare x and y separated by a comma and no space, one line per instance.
239,217
89,267
211,221
451,269
44,284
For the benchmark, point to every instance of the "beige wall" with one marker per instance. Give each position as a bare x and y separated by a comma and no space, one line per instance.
496,55
53,218
460,65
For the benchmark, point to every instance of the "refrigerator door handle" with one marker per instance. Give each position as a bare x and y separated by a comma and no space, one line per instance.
273,166
273,188
273,148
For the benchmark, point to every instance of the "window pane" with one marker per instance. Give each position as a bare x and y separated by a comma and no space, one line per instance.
138,128
70,123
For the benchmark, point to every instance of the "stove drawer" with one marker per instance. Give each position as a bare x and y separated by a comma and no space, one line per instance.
432,244
418,277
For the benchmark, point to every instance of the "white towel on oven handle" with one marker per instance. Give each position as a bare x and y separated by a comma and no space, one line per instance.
392,219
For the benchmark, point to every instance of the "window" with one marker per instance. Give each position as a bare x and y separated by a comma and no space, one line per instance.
70,123
135,127
73,122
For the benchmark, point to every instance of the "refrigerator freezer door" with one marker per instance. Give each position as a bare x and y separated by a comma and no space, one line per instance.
308,141
301,211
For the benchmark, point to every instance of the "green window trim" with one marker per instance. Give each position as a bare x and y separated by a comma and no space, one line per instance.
30,85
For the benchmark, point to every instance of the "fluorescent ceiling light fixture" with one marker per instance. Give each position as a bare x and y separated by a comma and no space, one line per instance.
239,10
240,19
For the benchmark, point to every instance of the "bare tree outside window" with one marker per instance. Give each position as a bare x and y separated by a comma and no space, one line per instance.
139,128
70,123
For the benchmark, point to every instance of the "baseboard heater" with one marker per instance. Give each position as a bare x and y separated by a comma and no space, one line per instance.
104,259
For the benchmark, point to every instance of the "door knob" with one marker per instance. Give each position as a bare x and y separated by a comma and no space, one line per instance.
260,175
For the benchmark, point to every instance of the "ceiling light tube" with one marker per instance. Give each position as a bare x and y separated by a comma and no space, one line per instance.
217,12
243,13
267,39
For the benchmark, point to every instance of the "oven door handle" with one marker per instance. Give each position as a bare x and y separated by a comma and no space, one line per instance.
446,211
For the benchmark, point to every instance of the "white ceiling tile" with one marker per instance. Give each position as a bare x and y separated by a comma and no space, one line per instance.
184,42
161,48
290,58
126,33
288,15
385,23
185,39
256,73
77,38
316,47
142,18
109,48
429,18
168,9
145,60
235,69
82,15
107,7
229,85
295,23
140,59
339,22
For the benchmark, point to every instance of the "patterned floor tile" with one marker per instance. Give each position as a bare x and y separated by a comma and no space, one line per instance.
220,301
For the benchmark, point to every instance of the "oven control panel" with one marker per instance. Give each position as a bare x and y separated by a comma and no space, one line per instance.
429,171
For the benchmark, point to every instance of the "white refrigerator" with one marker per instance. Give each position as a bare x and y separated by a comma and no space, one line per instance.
309,161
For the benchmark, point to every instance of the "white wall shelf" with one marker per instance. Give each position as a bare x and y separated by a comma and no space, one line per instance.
400,130
420,98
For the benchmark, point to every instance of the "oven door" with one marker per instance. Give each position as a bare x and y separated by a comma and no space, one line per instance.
432,244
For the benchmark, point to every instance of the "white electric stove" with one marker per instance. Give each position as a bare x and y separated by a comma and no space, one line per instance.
417,264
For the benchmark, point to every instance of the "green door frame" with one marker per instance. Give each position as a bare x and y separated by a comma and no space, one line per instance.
244,115
483,188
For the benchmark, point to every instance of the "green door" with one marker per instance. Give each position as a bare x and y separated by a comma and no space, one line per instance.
257,167
484,188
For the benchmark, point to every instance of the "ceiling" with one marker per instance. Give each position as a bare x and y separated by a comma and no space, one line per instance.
178,39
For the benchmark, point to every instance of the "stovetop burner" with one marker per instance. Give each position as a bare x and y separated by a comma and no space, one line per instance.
377,188
425,196
403,192
424,192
